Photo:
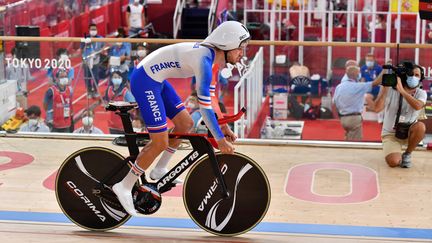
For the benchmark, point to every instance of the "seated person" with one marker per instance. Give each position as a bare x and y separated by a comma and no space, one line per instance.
118,91
34,123
299,70
369,72
87,124
300,79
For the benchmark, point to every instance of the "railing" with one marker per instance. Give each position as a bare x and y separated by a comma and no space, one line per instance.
248,93
273,16
178,17
212,15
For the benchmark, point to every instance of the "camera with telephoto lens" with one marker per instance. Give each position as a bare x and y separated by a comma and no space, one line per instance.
391,73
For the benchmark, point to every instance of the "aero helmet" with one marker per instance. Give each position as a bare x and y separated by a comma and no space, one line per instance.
228,36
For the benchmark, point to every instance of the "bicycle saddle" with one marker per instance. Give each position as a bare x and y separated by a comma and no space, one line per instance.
122,106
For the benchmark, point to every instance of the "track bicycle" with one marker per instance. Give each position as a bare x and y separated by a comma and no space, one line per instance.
224,194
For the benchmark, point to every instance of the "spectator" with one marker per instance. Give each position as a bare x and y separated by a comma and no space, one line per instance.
34,123
71,7
87,124
141,52
430,36
135,17
300,82
223,87
409,99
298,70
58,104
21,74
120,55
347,64
192,105
380,25
138,125
92,61
94,4
349,101
63,61
118,91
369,72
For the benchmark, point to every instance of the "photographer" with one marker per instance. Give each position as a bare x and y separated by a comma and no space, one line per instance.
402,100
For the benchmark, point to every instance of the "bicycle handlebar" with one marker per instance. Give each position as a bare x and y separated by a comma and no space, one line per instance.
233,118
224,120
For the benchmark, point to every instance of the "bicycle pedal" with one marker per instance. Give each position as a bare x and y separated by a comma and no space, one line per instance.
147,199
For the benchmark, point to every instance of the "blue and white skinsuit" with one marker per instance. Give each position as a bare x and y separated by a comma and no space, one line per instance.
156,97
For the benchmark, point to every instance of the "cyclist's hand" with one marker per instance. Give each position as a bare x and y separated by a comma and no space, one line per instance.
229,135
225,147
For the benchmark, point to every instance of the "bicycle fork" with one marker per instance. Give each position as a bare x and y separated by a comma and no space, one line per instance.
217,171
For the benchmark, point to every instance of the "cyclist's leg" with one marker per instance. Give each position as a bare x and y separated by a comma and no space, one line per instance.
183,123
147,93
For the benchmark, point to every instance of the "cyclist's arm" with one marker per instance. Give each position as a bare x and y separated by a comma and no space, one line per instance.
226,130
213,94
203,76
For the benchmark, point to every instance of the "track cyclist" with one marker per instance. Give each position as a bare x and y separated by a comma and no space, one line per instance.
158,100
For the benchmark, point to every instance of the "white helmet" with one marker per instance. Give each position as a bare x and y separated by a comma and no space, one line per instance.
228,36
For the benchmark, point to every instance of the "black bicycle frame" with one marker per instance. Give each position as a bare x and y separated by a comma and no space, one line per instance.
201,146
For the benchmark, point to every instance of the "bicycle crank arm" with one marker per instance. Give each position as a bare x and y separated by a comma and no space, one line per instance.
107,196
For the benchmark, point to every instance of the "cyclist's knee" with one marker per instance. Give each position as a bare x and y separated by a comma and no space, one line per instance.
187,124
183,122
159,143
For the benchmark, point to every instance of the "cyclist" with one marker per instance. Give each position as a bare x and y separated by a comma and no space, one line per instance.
158,100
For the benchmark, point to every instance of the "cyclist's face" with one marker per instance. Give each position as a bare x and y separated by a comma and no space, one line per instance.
235,55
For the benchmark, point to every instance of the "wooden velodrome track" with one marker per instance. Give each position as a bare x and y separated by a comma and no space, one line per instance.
319,194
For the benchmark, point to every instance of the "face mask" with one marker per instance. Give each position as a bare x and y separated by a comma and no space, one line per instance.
87,121
137,129
64,57
192,104
119,43
370,63
413,82
32,122
116,81
136,1
63,81
141,53
93,32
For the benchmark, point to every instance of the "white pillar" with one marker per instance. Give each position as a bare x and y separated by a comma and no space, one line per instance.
417,39
272,35
374,7
399,22
301,31
388,31
330,39
359,35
